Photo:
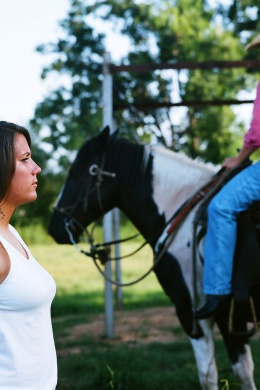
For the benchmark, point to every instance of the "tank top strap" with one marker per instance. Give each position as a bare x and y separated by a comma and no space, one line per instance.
10,249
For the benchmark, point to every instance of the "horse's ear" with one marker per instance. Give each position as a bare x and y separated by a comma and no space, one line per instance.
105,135
115,133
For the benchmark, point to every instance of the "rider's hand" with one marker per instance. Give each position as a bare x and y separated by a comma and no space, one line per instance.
231,162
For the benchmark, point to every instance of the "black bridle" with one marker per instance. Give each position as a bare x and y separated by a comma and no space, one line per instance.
97,251
96,172
100,251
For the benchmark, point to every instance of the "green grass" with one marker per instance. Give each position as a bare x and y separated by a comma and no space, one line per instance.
102,364
80,287
151,367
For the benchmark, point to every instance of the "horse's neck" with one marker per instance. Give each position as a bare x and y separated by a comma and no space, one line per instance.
134,191
164,182
175,179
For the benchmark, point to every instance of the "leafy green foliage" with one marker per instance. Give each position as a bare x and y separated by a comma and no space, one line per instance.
158,32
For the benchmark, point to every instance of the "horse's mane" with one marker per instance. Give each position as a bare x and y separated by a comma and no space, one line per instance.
182,158
135,147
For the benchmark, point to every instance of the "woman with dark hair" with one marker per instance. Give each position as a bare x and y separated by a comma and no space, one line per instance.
27,351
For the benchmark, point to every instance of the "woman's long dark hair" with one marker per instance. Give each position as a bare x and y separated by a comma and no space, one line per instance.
8,131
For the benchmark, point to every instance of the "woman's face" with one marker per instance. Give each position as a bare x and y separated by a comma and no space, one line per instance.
24,182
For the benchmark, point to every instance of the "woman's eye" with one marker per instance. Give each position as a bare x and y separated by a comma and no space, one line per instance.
25,159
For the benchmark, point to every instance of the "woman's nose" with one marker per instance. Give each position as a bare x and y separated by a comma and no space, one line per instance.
36,169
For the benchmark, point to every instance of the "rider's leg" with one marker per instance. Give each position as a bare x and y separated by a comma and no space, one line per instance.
235,197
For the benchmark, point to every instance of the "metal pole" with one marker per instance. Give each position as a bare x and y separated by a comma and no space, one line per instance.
107,220
116,215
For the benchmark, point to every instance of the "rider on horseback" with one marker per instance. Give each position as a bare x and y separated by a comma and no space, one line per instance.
242,191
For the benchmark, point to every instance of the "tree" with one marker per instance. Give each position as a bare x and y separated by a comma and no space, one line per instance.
158,31
244,16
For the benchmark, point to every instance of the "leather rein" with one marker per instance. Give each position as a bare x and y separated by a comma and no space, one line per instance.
101,251
98,251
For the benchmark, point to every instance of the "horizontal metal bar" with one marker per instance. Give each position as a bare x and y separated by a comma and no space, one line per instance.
152,105
185,65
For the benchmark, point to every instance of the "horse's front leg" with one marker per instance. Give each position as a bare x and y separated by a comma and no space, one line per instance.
171,278
243,368
240,355
204,352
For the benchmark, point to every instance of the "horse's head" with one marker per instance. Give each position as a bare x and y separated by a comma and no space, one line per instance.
86,193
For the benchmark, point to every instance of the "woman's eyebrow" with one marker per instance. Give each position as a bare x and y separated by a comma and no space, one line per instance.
25,154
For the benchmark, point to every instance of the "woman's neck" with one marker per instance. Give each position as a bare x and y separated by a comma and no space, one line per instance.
5,216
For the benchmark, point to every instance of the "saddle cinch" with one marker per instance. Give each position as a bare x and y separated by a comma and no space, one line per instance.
244,307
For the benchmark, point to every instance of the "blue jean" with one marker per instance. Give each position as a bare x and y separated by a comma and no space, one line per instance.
220,242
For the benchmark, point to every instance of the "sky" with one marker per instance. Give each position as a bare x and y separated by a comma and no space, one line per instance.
24,25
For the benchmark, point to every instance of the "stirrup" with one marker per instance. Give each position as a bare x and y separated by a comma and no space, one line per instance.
251,331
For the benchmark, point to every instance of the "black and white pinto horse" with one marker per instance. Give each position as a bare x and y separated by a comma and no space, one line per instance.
149,183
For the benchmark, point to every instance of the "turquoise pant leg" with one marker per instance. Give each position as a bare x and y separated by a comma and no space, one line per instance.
220,241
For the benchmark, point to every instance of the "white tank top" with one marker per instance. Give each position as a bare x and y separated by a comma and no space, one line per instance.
27,351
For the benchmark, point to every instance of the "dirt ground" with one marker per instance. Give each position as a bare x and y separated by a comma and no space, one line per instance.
141,326
136,327
131,327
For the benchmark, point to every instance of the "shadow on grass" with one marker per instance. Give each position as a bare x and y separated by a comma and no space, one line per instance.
85,363
152,367
131,367
89,364
93,303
